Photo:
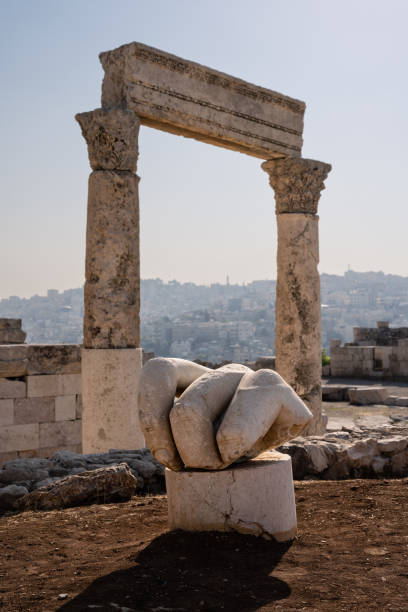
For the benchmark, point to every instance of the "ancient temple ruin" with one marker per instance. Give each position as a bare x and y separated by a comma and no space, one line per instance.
146,86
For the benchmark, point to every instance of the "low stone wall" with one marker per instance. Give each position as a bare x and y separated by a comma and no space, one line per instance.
40,400
378,362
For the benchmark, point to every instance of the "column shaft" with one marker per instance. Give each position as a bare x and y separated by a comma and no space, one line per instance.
111,358
297,184
298,319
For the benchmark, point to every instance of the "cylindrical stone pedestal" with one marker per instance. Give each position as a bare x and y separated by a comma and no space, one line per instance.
110,388
255,497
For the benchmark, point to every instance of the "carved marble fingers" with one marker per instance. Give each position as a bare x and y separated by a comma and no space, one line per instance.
223,415
160,380
264,413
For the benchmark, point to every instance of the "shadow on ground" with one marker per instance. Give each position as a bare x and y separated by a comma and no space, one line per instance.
181,571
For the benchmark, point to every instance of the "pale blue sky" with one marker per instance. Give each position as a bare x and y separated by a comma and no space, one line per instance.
205,212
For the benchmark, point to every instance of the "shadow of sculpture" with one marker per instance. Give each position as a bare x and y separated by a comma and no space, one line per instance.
182,571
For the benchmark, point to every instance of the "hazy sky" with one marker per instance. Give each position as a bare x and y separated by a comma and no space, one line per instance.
205,212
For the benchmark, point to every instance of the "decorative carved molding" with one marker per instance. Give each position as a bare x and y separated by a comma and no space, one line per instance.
203,73
112,138
297,183
182,97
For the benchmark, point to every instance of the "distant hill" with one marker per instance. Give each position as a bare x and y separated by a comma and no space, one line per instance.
220,321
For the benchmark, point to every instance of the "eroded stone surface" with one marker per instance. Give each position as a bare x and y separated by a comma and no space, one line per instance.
110,387
365,396
298,316
112,287
113,483
182,97
53,359
297,183
112,138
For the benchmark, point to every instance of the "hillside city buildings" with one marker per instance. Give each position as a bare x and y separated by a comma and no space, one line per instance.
221,321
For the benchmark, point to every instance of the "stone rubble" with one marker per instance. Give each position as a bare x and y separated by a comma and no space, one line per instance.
21,476
353,452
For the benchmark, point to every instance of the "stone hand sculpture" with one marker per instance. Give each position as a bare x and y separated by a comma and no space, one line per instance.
194,417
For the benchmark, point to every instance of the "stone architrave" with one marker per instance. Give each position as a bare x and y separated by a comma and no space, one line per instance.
111,359
297,184
175,95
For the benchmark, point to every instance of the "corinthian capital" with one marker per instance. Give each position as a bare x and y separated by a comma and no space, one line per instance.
112,138
297,183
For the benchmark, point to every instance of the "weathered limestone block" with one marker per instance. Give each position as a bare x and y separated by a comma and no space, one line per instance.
362,452
335,393
12,388
107,484
297,184
194,414
19,437
53,359
13,368
392,445
363,396
54,385
65,407
6,412
112,138
12,336
182,97
112,287
61,434
7,323
159,382
255,497
13,360
263,363
34,410
110,399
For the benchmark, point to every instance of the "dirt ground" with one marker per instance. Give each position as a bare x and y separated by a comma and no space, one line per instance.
351,554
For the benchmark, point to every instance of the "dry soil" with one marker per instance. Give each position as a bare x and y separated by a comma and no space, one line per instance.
351,554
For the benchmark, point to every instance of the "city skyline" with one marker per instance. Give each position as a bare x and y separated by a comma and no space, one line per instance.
205,212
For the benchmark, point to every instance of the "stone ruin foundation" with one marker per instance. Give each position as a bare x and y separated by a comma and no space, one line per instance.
146,86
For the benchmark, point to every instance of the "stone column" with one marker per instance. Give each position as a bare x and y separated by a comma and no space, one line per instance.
111,357
297,184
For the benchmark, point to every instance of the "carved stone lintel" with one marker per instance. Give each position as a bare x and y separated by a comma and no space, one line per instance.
297,183
112,138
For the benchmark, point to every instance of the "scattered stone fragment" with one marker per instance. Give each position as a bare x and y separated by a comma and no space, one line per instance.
364,396
10,495
114,483
335,393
